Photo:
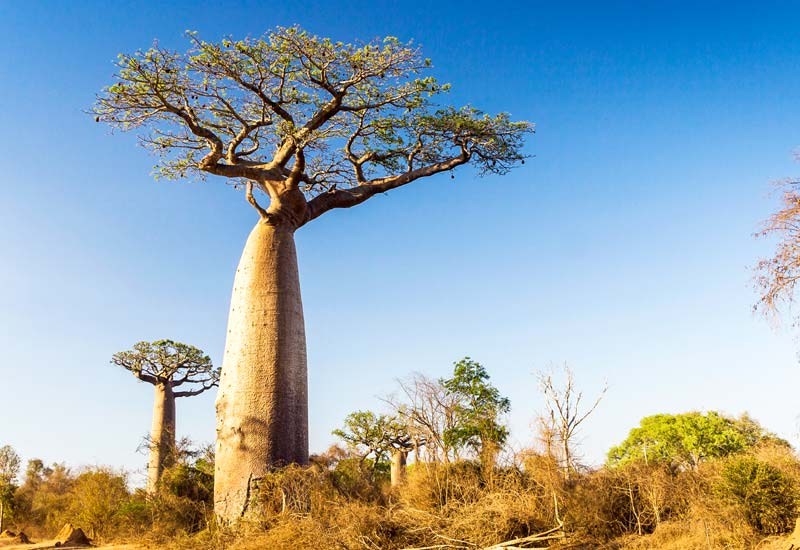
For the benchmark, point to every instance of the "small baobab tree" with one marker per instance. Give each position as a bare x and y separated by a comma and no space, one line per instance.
380,436
314,125
167,365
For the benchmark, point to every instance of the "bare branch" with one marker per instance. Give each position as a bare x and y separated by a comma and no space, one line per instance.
346,198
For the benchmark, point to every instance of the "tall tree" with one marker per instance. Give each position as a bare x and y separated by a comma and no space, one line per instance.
565,415
314,125
9,468
478,410
167,365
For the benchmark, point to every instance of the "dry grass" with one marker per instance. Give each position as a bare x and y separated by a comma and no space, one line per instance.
463,506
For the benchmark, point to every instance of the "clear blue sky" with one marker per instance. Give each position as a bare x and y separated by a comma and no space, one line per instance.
624,248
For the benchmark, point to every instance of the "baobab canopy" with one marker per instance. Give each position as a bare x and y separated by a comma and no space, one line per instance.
359,118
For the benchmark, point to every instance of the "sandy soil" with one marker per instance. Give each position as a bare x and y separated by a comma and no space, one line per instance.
51,544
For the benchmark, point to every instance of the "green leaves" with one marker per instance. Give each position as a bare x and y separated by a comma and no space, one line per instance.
167,361
479,407
764,495
360,111
685,440
372,434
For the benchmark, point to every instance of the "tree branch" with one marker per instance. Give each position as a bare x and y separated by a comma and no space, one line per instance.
345,198
252,200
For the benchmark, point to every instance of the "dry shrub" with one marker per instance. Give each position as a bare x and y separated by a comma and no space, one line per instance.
97,501
674,536
293,490
731,503
439,503
358,479
457,502
341,524
634,498
433,486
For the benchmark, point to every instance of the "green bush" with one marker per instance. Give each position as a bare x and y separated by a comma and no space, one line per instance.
766,497
359,479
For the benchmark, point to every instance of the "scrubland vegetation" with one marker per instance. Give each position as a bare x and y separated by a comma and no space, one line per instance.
684,481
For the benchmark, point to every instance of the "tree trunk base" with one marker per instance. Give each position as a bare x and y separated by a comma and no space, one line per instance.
262,404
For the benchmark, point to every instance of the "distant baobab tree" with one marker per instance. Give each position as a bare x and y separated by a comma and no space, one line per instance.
314,125
167,365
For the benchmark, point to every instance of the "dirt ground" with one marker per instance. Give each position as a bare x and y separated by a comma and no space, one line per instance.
51,544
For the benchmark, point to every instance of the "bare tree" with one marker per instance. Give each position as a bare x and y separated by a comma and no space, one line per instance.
777,276
314,125
564,416
430,412
167,365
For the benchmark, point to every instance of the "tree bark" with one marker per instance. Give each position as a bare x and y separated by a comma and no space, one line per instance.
162,435
398,471
262,404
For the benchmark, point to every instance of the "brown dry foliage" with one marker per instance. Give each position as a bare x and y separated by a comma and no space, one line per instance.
776,277
336,505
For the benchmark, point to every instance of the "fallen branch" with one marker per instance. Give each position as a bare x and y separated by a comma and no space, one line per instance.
538,537
550,534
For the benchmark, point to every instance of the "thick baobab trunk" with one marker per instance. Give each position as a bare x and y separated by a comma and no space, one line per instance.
162,435
262,404
398,471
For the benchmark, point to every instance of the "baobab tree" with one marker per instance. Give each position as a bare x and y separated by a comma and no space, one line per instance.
167,365
313,125
381,436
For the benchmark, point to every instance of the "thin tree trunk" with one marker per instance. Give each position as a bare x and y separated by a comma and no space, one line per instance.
398,471
162,435
262,404
2,513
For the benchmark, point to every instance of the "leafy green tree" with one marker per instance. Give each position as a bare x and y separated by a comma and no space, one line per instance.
167,365
478,411
685,440
314,125
367,434
9,468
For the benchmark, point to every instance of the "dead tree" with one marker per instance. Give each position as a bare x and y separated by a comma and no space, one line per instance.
564,416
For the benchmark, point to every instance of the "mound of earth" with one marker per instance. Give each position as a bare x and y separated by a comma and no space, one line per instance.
20,537
70,537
